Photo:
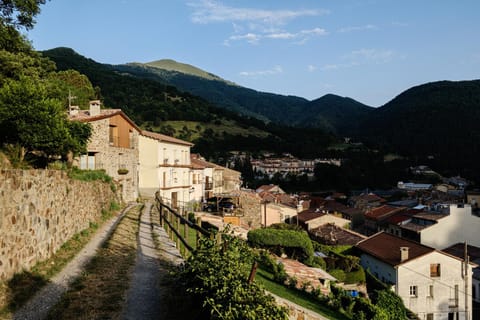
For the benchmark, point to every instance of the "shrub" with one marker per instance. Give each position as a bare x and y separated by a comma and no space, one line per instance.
357,276
338,274
294,242
217,277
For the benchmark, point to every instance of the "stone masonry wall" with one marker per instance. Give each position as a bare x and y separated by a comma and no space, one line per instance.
39,211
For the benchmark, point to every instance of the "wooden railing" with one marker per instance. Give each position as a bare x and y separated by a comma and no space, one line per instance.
182,231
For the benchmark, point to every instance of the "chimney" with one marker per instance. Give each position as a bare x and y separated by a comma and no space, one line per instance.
403,253
73,110
94,107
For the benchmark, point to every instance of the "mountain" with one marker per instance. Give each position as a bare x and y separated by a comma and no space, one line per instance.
160,107
340,115
437,121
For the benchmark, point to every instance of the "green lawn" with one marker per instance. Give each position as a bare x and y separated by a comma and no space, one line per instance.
301,298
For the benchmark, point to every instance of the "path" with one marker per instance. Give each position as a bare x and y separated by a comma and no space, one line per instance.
40,304
145,293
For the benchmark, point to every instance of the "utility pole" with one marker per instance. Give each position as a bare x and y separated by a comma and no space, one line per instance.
465,279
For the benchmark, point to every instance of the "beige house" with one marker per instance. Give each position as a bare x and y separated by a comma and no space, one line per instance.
113,146
165,167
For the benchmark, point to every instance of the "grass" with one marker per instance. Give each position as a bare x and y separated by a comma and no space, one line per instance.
99,293
298,297
24,285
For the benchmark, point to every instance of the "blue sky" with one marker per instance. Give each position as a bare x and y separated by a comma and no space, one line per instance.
369,50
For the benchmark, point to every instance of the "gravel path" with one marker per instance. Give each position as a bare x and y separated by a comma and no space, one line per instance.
39,306
145,296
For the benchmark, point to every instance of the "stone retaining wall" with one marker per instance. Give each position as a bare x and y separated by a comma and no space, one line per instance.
40,210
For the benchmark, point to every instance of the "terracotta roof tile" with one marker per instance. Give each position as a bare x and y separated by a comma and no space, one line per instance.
382,212
386,247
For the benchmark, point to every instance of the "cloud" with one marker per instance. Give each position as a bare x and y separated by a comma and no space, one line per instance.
301,36
210,11
264,24
363,57
311,68
371,55
273,71
357,28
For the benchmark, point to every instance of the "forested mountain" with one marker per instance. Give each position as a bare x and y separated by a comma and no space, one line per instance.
437,121
222,93
158,106
434,123
339,115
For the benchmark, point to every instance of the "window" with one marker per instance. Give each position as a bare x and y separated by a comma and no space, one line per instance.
87,161
429,316
413,291
435,270
113,136
430,291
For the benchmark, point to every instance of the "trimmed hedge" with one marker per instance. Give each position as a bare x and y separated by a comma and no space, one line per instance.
282,239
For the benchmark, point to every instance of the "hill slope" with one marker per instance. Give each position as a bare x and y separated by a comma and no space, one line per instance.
438,120
336,114
161,107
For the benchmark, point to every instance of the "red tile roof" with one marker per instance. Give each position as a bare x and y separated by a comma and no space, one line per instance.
386,248
84,116
309,215
331,234
382,212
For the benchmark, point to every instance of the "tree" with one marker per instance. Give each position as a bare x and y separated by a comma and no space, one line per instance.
19,13
35,121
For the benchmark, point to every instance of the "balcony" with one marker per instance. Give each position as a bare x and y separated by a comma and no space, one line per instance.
208,185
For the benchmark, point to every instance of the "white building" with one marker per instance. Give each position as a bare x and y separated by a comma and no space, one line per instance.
439,231
165,167
431,283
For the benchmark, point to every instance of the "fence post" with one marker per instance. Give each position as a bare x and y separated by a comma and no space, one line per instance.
177,227
197,233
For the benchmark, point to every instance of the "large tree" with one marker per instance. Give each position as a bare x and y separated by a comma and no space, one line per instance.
32,95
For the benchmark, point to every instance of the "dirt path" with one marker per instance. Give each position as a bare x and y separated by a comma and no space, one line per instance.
41,303
144,298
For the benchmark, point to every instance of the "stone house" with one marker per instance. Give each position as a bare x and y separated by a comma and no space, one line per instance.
165,167
432,284
113,146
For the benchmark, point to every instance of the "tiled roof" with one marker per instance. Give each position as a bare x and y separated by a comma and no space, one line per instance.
382,212
430,216
200,163
458,251
351,211
386,247
331,234
84,116
165,138
309,215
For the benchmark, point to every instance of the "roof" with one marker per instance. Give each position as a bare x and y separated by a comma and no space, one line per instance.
386,248
200,163
164,138
309,215
84,116
370,197
351,212
331,234
382,212
269,187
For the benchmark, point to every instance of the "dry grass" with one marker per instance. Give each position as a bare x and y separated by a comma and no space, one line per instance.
100,292
19,289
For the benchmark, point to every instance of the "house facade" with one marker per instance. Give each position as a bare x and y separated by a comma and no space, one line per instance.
457,224
165,167
432,284
113,146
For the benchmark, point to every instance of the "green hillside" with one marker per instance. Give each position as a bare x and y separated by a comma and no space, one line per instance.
172,65
159,107
436,121
339,115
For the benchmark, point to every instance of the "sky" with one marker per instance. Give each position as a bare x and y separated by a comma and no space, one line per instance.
368,50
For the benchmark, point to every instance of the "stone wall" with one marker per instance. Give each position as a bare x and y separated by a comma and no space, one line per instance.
250,209
39,211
